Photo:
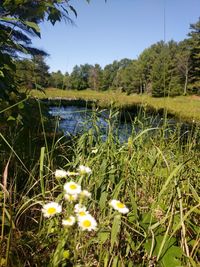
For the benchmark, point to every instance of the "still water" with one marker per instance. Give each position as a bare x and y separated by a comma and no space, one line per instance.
74,120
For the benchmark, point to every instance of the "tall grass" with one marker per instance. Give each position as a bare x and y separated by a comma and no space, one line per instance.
155,173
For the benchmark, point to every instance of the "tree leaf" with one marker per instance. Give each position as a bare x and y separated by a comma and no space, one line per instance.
8,19
73,9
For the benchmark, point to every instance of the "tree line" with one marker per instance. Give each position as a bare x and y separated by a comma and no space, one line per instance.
163,69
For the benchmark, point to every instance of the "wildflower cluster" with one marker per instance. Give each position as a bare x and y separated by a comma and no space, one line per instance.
73,193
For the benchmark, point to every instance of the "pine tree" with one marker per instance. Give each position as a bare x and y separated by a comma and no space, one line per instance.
194,73
19,21
41,73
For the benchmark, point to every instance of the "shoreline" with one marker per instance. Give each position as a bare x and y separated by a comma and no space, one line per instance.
183,108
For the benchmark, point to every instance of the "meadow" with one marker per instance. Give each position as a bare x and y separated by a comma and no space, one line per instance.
138,201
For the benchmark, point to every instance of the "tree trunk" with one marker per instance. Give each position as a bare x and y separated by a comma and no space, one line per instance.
186,82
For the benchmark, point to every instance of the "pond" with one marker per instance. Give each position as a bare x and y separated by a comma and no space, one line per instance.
73,120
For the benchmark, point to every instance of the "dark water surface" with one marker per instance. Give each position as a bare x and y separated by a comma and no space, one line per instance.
74,120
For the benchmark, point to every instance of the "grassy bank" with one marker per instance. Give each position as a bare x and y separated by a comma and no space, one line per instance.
186,108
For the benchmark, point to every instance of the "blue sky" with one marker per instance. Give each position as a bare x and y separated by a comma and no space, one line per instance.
118,29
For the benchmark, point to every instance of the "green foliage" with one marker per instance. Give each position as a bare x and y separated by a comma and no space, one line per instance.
163,76
7,70
59,80
130,78
149,173
18,21
25,74
194,41
41,74
79,79
111,73
95,77
32,74
171,254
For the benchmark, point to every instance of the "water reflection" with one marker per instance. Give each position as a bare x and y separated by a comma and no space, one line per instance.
76,120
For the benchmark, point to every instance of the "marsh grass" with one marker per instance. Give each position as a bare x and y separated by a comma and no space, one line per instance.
155,174
185,108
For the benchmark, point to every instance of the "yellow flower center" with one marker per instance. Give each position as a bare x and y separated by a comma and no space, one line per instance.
82,213
120,205
51,210
73,186
87,223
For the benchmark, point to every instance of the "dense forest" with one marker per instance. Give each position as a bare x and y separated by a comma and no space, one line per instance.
163,69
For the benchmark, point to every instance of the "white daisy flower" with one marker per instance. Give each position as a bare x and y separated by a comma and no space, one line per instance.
81,213
85,193
79,207
71,198
60,174
51,208
87,222
72,188
83,170
119,206
69,222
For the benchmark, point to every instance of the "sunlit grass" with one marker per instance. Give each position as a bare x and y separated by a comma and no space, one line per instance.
183,107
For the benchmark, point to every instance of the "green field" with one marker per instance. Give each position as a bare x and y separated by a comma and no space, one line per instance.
186,108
